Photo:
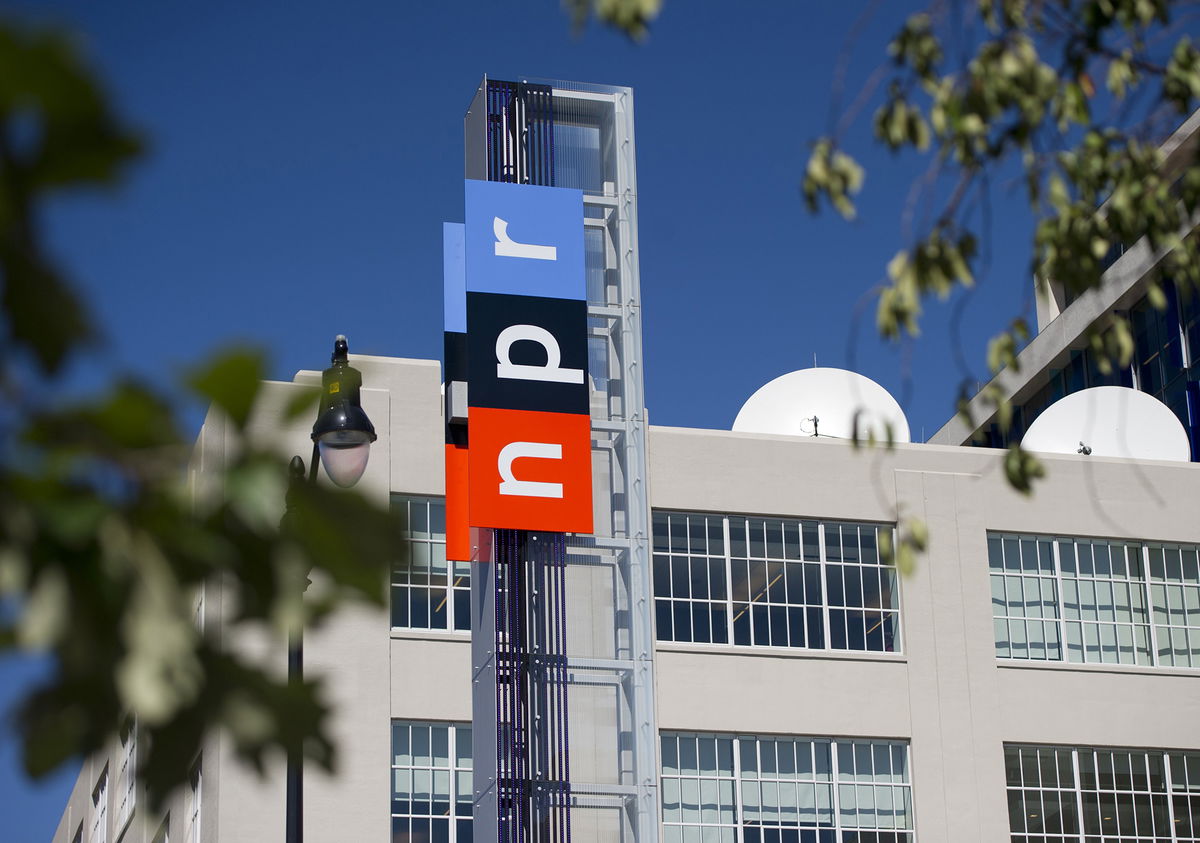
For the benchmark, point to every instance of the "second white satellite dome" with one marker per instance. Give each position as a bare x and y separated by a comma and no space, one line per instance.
823,402
1109,421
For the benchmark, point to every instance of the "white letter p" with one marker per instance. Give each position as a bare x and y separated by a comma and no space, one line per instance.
551,372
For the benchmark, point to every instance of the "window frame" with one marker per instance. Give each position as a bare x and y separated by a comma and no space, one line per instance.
99,810
837,782
193,807
1170,762
457,584
456,773
126,778
661,549
163,835
1139,580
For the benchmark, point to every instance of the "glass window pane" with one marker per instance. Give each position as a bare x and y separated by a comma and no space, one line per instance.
427,794
777,601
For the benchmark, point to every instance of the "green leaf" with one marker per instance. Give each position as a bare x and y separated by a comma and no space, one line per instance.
81,140
131,417
43,313
633,17
913,540
302,404
833,175
1121,74
917,46
1181,81
44,617
1021,469
1002,352
78,141
230,380
1157,298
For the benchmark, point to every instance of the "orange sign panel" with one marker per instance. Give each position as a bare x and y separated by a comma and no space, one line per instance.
530,470
458,533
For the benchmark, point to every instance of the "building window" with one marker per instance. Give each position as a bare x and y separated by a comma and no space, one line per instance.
1084,794
726,788
427,591
126,777
1189,318
432,790
1159,350
99,817
164,830
198,609
78,837
817,585
192,808
1095,600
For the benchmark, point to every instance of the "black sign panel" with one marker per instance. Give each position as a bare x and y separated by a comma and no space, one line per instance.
527,353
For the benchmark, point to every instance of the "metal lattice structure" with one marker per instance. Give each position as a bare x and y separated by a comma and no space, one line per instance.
533,768
561,625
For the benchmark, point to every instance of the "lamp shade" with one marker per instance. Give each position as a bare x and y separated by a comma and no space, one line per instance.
344,464
344,434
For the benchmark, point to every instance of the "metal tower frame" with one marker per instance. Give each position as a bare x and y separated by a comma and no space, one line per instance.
585,139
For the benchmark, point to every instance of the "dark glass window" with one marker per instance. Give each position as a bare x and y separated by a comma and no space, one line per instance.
432,785
1159,351
428,592
1084,794
773,582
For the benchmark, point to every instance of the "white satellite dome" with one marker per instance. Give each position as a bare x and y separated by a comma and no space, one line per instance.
833,397
1111,421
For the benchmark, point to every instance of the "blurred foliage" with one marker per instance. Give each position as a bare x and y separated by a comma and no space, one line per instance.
1001,86
632,17
911,540
104,550
990,88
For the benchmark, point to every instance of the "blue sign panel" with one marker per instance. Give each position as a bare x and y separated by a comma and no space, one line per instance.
525,240
454,272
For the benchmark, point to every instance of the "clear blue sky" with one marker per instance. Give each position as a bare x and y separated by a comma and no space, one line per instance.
303,156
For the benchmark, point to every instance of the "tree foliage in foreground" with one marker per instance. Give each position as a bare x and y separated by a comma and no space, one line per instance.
1075,98
102,552
1010,86
102,549
1072,98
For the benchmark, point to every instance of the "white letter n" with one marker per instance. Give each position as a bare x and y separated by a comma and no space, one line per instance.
513,451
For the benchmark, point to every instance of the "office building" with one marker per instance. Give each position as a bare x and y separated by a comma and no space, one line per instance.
1036,677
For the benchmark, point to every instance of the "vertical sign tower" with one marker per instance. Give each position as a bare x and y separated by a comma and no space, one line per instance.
550,473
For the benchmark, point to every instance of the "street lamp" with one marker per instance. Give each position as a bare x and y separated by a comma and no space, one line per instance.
342,433
342,437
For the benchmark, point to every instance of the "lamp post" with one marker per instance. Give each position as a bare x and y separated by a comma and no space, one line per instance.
342,437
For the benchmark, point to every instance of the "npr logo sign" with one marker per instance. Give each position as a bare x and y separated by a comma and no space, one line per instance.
528,431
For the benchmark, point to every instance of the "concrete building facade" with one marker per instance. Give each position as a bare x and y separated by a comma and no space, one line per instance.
939,710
